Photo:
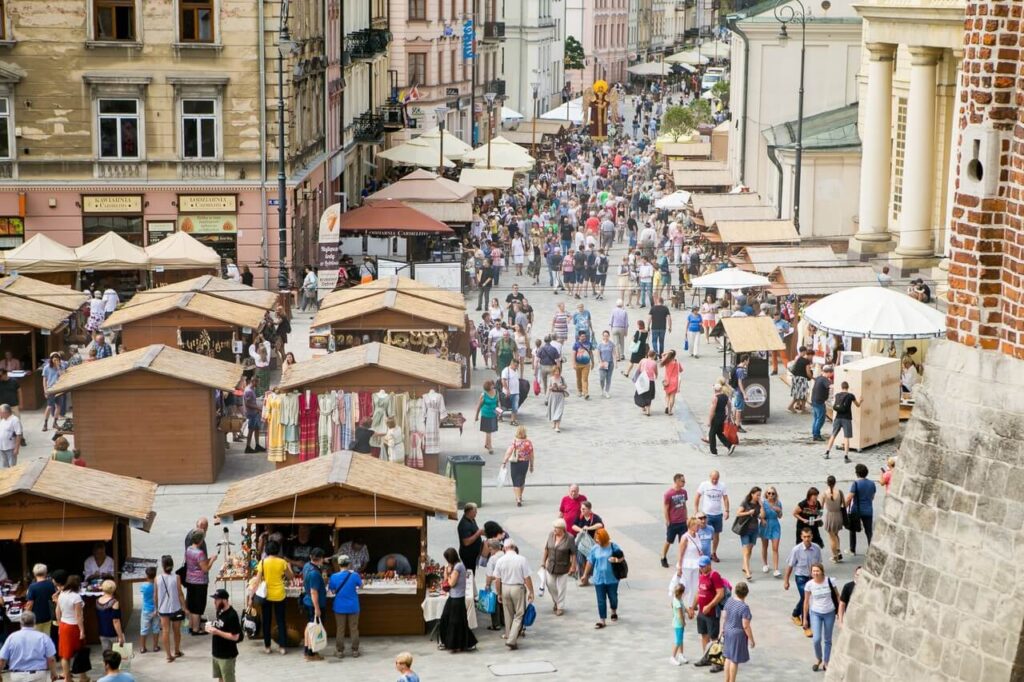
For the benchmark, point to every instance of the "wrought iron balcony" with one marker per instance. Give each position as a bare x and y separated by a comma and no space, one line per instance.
494,31
367,43
369,128
497,87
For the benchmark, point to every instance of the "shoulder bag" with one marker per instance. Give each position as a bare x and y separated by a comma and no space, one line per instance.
853,511
741,524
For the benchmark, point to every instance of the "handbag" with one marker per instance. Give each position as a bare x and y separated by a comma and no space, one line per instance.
178,616
686,343
620,569
316,636
731,433
81,664
486,601
740,525
536,387
853,513
530,615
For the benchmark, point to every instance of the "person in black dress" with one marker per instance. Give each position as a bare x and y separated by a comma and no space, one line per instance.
716,421
470,537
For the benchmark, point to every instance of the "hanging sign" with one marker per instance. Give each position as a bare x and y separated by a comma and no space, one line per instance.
468,38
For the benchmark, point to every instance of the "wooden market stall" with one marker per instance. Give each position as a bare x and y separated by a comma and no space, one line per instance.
704,180
31,330
44,259
711,215
342,497
753,337
151,410
764,260
179,257
736,233
53,513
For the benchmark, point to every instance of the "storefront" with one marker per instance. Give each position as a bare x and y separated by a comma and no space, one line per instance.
117,213
212,219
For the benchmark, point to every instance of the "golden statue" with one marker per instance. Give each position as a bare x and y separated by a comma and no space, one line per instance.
596,103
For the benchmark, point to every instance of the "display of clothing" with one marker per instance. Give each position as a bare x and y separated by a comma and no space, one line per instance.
413,430
309,417
275,430
290,421
382,409
394,446
328,404
434,411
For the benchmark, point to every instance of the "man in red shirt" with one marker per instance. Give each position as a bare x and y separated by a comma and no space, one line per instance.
592,224
674,509
710,593
569,509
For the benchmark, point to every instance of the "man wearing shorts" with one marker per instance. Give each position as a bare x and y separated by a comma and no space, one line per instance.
710,593
674,510
227,631
713,500
252,416
842,420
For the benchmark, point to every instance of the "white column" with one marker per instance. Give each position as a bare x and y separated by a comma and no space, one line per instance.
876,145
919,159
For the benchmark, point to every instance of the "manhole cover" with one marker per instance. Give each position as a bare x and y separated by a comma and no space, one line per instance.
527,668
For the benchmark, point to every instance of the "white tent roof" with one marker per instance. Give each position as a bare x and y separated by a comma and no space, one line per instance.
504,154
676,201
40,254
687,57
417,152
111,252
876,313
575,112
454,148
730,278
510,115
182,251
484,178
651,69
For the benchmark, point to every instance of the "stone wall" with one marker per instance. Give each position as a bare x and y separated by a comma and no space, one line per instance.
942,594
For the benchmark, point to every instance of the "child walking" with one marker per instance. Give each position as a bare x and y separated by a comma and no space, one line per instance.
679,624
150,621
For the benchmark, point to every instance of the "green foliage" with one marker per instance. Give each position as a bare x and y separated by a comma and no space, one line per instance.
574,55
720,90
681,121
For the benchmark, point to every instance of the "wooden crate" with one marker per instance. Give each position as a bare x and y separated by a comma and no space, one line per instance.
876,382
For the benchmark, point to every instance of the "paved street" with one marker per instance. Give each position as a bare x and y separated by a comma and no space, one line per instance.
624,462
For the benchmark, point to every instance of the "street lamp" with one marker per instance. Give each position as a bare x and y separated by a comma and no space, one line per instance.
489,97
535,86
284,42
442,113
786,14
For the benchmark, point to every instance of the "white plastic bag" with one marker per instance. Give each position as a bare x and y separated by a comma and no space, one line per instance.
316,636
542,576
502,476
672,584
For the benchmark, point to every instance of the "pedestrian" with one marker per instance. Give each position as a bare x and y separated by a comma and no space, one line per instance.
276,573
709,316
717,417
738,384
710,594
735,633
470,537
170,601
505,350
583,361
484,281
314,594
519,459
671,369
750,513
694,322
602,557
886,478
197,580
454,634
495,550
253,416
673,508
345,585
678,624
515,590
821,599
860,502
559,562
557,392
585,528
819,396
39,598
487,413
10,437
770,529
638,349
108,616
800,372
149,621
798,566
70,615
606,363
618,322
834,502
644,383
28,655
547,358
690,551
842,419
713,500
659,321
226,632
846,596
808,514
403,664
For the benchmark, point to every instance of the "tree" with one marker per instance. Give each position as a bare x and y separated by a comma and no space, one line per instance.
720,91
574,55
681,121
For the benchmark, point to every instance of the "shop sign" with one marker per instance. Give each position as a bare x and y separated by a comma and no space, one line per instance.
329,224
112,203
208,224
216,344
328,261
207,203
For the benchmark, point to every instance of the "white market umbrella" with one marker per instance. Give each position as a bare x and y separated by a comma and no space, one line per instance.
730,278
691,57
570,111
454,148
676,201
651,69
504,154
876,313
510,115
415,153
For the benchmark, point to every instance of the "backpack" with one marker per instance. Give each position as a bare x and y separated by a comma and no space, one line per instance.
845,404
734,380
582,356
726,594
602,265
591,260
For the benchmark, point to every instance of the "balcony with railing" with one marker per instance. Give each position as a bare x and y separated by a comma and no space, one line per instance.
497,87
394,117
367,43
369,128
494,31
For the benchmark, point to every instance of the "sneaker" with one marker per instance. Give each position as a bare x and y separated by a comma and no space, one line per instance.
683,660
777,574
765,569
732,449
674,661
846,459
825,455
664,562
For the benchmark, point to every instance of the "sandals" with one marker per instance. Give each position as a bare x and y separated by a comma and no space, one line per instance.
615,616
598,626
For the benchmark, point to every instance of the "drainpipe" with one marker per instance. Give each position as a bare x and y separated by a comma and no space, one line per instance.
732,21
774,158
265,249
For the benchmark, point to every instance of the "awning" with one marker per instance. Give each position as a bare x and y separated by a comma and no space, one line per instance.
417,152
487,178
510,115
750,334
10,531
67,530
389,218
290,520
570,111
409,521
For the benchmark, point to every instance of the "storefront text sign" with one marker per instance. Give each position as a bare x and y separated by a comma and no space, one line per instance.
207,224
112,203
207,203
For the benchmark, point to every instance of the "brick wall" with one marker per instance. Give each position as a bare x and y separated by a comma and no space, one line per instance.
986,270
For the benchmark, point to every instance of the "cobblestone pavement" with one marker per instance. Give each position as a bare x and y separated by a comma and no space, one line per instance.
624,462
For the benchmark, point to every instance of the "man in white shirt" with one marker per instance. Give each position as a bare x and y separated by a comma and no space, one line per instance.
110,301
515,590
10,437
99,565
510,388
713,499
645,275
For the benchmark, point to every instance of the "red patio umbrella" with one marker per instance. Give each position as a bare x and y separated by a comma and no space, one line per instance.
390,218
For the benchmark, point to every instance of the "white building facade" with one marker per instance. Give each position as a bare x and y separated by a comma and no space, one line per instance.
533,53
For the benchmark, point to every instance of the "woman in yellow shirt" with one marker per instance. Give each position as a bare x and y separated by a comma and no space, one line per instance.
274,571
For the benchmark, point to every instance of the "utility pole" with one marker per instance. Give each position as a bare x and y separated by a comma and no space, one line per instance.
283,42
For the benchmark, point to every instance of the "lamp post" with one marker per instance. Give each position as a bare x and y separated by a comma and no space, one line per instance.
442,113
284,41
535,87
489,97
786,14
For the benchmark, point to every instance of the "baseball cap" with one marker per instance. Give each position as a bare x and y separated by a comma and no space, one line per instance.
220,594
704,561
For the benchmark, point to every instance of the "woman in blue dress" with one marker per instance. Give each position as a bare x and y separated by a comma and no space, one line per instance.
734,631
770,529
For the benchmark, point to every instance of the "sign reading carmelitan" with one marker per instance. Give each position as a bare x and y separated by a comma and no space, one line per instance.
207,203
111,203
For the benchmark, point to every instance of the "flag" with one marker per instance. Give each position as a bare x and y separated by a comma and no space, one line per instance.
411,95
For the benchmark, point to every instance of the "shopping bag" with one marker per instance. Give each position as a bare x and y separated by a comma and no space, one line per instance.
486,601
127,652
731,433
542,582
536,387
530,615
686,344
502,476
316,636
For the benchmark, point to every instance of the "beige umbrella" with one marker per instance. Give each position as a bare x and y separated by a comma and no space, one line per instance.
416,152
691,57
454,148
503,154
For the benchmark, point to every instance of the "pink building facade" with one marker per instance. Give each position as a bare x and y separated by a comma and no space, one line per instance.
602,26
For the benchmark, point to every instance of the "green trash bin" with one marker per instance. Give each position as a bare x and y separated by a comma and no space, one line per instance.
467,470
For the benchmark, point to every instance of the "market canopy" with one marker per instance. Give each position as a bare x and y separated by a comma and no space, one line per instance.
703,200
350,471
214,286
766,259
404,287
454,148
40,254
651,69
730,278
510,115
691,57
568,111
122,496
416,152
198,303
43,292
111,252
437,197
181,251
820,281
686,149
419,366
500,153
676,201
487,178
712,215
752,334
876,313
702,178
389,218
756,231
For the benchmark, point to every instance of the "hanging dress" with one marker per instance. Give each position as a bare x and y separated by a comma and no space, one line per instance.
275,430
328,403
381,411
290,421
414,436
434,411
309,415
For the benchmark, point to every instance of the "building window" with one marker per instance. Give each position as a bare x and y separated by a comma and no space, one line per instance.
119,128
417,68
128,227
12,232
451,65
899,150
196,21
5,128
198,129
418,10
114,19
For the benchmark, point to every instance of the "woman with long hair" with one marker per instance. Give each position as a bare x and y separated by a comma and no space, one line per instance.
519,459
487,413
820,599
770,529
276,573
647,374
750,511
833,501
671,369
453,632
688,568
638,349
170,600
808,515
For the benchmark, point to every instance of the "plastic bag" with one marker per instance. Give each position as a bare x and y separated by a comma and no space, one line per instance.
487,601
530,616
542,582
502,476
127,652
316,636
